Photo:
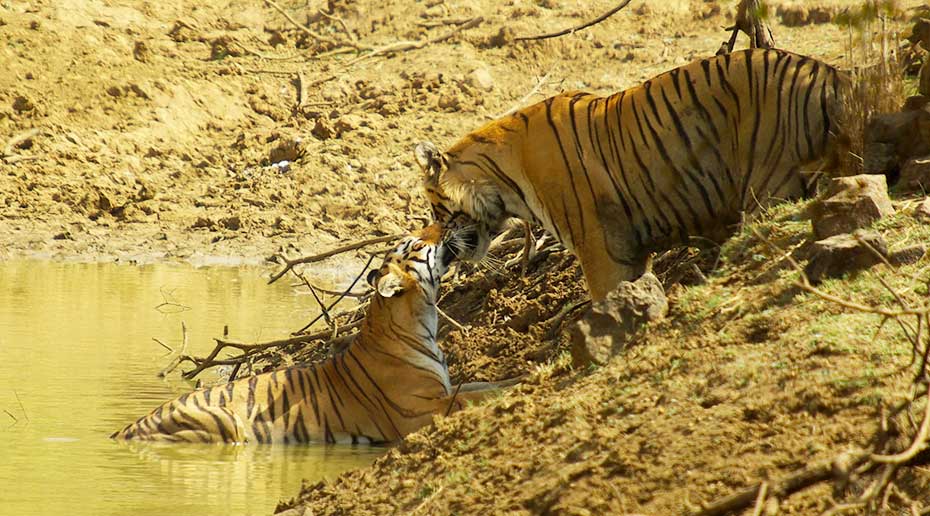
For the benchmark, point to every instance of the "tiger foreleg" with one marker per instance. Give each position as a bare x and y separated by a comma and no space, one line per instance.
529,250
475,392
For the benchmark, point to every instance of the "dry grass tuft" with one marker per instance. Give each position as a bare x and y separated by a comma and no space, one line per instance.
877,69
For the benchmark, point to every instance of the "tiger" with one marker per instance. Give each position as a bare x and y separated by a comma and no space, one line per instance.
676,160
388,382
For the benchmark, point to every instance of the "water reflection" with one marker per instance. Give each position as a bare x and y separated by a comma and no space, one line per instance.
77,362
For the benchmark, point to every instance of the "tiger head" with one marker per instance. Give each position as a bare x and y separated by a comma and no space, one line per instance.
464,200
412,270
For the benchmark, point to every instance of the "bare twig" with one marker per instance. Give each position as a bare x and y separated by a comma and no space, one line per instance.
289,264
306,30
21,407
576,28
520,103
399,46
11,157
341,22
341,296
452,321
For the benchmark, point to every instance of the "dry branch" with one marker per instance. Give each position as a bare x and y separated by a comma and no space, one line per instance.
749,20
576,28
399,46
520,103
308,31
290,264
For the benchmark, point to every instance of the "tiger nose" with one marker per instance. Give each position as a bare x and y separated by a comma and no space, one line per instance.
431,233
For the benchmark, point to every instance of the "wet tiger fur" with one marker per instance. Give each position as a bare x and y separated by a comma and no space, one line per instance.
388,382
675,160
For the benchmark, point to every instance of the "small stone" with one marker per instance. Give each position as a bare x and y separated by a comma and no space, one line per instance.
231,223
64,235
915,175
202,222
504,37
481,78
610,325
923,210
347,123
286,150
850,203
323,129
22,103
841,254
140,52
908,255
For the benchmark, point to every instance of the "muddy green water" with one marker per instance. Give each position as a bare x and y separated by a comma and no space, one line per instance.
77,362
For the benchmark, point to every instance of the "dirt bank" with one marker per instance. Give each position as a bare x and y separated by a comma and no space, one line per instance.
148,131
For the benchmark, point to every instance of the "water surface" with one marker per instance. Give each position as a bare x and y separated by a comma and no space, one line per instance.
77,361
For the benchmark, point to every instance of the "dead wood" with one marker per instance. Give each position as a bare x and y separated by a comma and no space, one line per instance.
291,263
750,21
576,28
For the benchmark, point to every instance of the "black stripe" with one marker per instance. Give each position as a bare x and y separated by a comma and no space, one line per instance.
568,171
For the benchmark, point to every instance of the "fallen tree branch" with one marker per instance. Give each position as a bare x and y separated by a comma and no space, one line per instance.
519,104
290,264
576,28
308,31
249,350
399,46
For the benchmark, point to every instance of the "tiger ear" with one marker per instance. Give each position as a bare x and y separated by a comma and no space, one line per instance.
390,284
430,160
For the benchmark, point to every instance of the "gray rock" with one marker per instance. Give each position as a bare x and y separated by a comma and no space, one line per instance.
915,175
908,255
612,324
923,210
892,138
850,203
841,254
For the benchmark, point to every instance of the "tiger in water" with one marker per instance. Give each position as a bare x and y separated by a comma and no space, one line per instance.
677,158
391,380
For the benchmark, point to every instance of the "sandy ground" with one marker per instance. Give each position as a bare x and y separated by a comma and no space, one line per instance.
139,131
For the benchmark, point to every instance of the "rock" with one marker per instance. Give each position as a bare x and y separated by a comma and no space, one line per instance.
841,254
908,255
850,203
481,78
22,103
915,175
923,210
503,38
891,138
140,52
613,323
231,223
323,129
287,149
347,123
921,33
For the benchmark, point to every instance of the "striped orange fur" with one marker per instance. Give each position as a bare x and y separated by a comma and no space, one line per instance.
391,380
676,160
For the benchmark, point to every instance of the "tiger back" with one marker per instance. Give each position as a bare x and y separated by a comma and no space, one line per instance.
675,160
391,380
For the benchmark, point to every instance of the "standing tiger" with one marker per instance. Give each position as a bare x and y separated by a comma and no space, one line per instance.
388,382
615,178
